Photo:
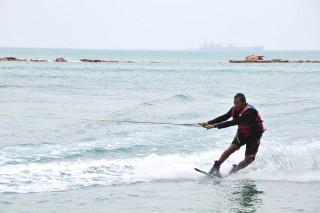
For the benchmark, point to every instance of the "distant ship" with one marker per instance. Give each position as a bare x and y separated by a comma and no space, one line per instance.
213,46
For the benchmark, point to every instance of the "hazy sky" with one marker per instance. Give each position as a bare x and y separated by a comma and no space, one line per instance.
160,24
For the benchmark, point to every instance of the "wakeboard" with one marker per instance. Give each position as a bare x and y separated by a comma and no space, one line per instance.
206,173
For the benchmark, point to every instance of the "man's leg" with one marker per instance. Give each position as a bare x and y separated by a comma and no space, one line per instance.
247,160
215,170
251,151
232,148
235,145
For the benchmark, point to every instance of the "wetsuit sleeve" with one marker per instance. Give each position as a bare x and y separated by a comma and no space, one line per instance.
221,118
247,117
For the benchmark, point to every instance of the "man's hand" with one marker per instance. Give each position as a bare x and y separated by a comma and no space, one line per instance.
208,126
204,123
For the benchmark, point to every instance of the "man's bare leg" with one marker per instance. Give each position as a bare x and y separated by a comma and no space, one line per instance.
228,152
243,164
215,170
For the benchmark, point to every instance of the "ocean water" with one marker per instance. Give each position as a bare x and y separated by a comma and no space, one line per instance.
64,145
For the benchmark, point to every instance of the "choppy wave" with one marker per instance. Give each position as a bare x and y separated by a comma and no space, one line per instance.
290,163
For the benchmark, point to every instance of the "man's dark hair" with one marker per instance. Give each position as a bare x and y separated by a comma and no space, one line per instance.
241,97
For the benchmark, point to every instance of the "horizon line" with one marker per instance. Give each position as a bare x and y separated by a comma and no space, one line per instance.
188,49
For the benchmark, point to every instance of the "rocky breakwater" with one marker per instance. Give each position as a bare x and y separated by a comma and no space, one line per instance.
259,59
64,60
16,59
104,61
61,60
12,59
39,60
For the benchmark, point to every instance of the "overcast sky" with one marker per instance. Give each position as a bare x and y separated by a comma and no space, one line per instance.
160,24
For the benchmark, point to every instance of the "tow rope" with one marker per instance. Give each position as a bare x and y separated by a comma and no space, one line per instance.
99,120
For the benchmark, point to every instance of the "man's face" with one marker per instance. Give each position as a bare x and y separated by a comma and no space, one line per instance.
238,104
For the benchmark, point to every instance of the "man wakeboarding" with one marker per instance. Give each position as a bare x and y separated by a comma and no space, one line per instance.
249,133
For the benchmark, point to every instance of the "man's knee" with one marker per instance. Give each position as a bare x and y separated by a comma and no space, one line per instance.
249,159
233,147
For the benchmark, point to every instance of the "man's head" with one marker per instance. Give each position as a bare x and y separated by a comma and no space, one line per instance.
239,101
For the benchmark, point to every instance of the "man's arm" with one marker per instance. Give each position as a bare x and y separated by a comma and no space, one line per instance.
246,117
